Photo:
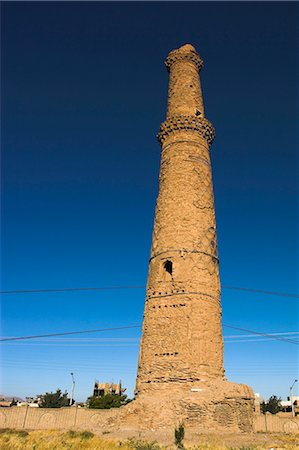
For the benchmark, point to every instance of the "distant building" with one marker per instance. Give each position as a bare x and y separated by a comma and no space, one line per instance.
32,402
6,400
101,389
5,403
287,405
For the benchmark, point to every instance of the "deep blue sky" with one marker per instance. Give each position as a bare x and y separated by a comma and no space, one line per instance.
84,91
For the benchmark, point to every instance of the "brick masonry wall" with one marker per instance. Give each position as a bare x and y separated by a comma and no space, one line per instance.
53,418
182,335
276,424
181,349
95,419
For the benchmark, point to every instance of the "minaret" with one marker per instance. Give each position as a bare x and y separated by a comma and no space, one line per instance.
182,334
180,370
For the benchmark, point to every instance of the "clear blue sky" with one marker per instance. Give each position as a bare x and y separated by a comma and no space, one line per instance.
84,91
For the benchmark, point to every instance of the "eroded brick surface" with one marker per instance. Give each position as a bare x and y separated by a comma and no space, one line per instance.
181,352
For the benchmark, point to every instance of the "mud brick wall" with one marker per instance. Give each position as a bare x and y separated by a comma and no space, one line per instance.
94,419
182,334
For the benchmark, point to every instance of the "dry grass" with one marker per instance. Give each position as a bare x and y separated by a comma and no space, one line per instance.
54,439
48,439
254,441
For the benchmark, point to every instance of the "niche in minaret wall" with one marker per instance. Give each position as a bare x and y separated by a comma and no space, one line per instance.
166,270
168,266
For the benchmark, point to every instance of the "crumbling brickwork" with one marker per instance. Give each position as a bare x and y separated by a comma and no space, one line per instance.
182,337
103,420
181,351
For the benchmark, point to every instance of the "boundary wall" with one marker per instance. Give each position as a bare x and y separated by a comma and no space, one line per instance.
276,424
54,418
94,419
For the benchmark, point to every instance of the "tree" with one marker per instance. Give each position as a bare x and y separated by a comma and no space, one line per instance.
273,405
14,402
54,399
107,401
179,434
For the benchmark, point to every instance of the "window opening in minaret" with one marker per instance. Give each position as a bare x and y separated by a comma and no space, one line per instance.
168,267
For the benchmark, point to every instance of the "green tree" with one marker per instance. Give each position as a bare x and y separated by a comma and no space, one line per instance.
13,402
272,405
179,434
107,401
54,399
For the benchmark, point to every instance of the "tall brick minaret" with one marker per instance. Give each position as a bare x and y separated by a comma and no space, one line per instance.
182,336
180,369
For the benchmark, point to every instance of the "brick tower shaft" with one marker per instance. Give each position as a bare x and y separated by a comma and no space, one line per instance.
182,333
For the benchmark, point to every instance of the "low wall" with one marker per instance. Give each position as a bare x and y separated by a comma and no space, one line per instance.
95,419
276,424
54,418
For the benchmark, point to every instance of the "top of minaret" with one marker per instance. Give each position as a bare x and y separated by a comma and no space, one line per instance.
186,48
185,108
185,53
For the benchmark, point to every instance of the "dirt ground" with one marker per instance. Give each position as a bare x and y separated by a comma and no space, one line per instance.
265,441
73,440
231,441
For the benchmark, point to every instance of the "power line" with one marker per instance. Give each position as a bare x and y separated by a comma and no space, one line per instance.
130,367
260,291
242,336
129,370
292,341
34,343
108,288
129,340
20,338
114,340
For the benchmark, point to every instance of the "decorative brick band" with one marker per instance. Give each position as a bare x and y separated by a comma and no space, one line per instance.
187,123
179,55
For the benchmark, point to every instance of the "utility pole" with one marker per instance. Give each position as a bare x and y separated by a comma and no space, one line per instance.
72,389
291,398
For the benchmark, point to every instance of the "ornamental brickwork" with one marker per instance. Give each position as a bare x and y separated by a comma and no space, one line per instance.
182,336
180,369
177,123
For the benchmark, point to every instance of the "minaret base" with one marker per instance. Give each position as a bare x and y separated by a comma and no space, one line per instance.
215,406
